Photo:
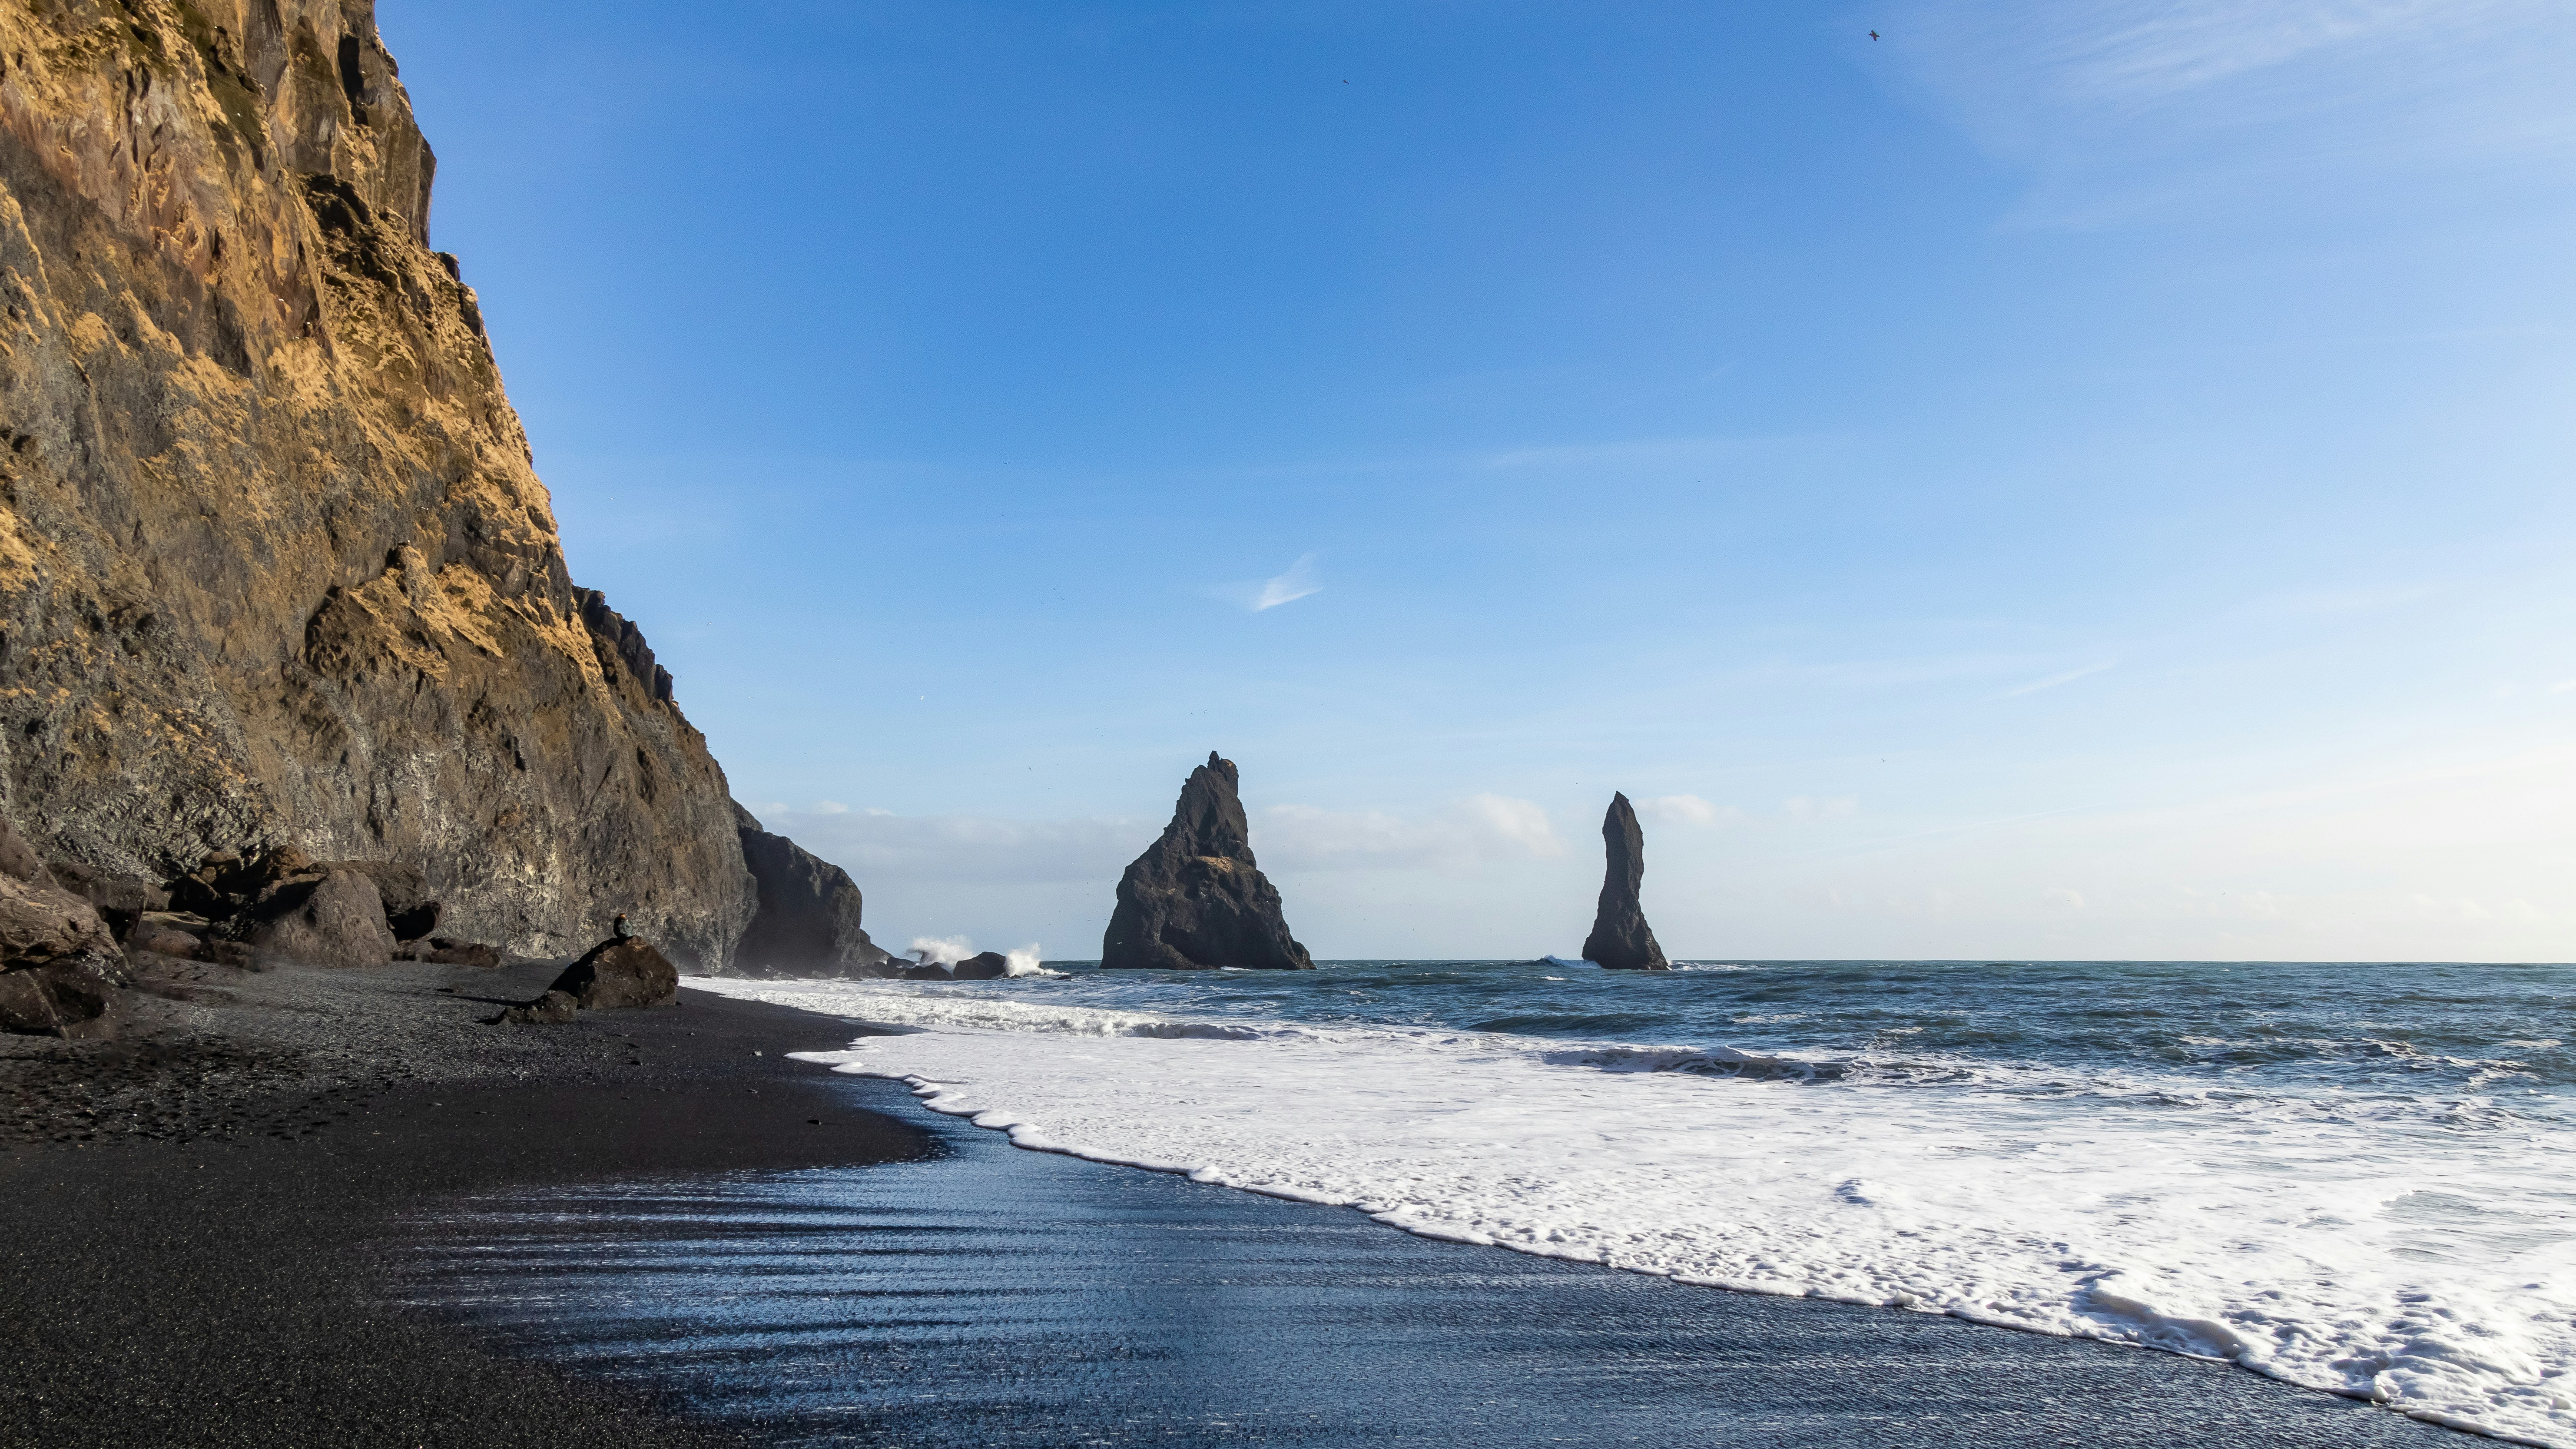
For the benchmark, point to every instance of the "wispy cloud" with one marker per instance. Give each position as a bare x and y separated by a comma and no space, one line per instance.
1807,808
2120,106
879,847
1687,810
1289,587
2054,680
1479,829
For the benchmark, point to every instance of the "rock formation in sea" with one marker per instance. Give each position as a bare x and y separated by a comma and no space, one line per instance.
1196,900
1620,939
275,566
807,923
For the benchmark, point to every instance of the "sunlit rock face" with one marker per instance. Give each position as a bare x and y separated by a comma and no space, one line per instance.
275,567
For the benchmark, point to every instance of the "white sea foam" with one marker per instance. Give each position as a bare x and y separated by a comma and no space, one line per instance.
2421,1253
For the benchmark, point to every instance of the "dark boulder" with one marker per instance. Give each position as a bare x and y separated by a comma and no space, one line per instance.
1196,900
41,923
926,971
621,971
119,900
59,966
411,912
224,884
441,951
70,998
162,941
1620,939
336,919
550,1009
990,966
808,920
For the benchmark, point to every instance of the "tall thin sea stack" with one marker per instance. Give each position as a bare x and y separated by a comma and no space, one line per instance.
1196,901
1621,940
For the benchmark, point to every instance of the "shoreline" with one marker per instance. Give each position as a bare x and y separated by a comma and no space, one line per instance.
264,1285
1460,1141
924,1094
993,1295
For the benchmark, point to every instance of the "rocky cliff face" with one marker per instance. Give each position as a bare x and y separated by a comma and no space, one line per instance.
808,922
275,569
1620,938
1196,899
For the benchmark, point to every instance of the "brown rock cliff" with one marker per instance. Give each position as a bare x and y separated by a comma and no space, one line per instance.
275,568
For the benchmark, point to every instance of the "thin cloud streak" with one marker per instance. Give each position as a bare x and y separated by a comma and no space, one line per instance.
2054,680
1289,587
2123,106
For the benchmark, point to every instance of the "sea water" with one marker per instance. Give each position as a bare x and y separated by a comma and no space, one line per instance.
2356,1177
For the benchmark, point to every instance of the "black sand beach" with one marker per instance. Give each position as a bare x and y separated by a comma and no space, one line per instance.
634,1230
203,1267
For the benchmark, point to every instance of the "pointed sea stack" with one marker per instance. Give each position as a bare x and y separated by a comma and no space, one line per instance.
1621,940
1196,901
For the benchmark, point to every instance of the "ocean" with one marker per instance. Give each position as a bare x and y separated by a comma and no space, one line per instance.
2356,1177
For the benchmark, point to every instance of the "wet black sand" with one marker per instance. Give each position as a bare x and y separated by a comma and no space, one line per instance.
201,1263
634,1231
992,1296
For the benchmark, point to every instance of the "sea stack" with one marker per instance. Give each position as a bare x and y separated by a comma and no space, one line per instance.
1621,940
1196,901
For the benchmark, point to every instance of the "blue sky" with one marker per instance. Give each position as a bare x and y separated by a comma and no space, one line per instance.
2059,480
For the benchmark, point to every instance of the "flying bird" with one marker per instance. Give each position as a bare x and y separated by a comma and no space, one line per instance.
1873,35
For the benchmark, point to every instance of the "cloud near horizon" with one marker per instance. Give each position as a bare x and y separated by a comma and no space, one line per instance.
1477,830
876,846
1687,810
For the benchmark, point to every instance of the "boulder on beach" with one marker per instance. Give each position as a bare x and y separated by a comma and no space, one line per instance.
247,896
926,971
334,920
120,900
59,966
159,940
550,1009
439,950
987,966
411,912
1196,900
1620,939
621,971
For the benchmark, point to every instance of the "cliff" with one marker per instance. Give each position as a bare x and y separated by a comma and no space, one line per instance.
1196,899
808,922
275,566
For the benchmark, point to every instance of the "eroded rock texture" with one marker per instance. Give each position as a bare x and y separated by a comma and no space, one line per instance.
620,971
1196,900
1620,939
59,966
808,921
274,566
